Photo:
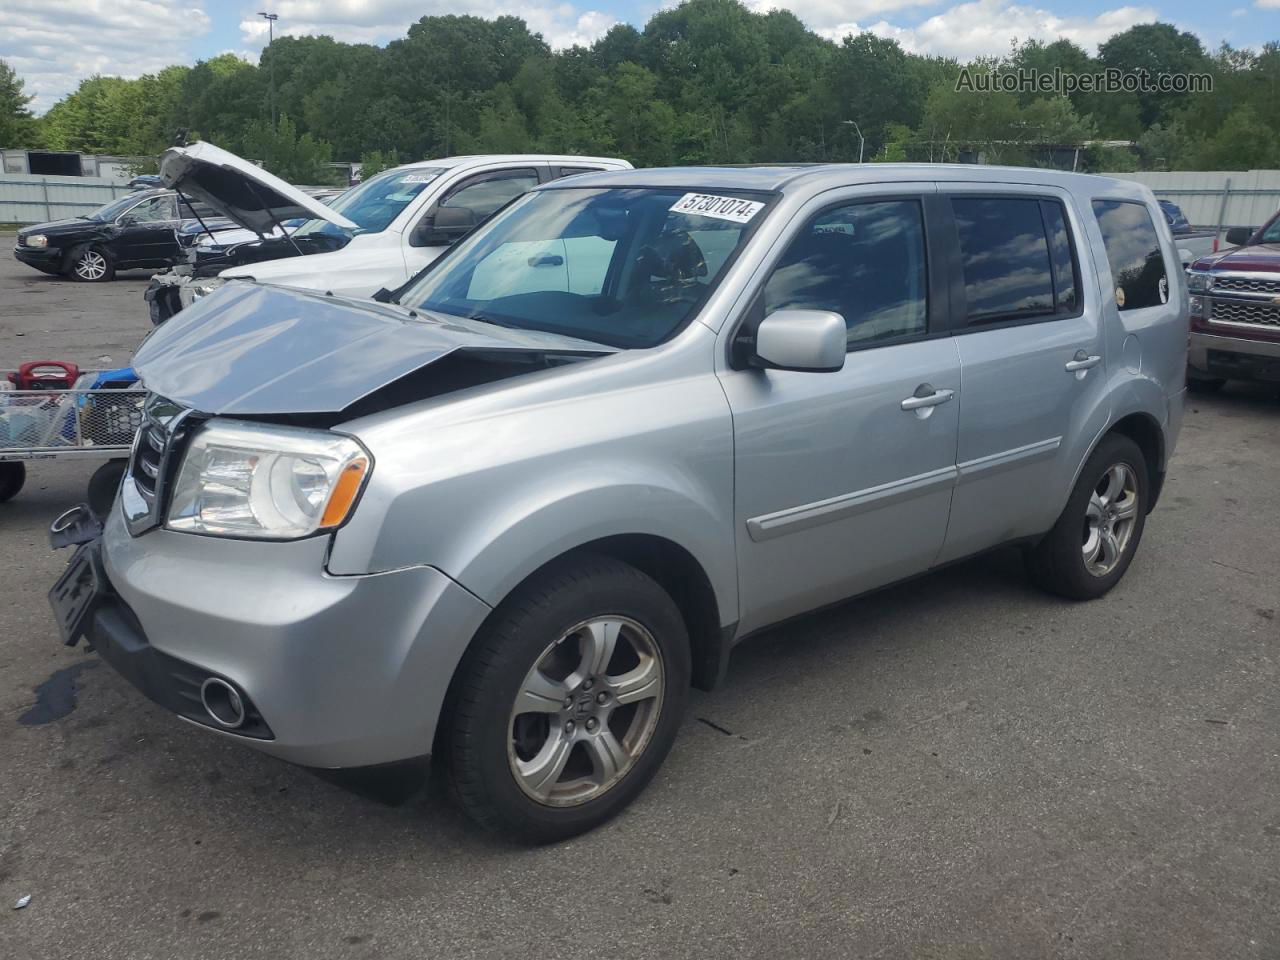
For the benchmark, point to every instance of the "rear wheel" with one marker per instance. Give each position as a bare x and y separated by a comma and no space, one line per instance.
90,264
1092,544
12,476
568,701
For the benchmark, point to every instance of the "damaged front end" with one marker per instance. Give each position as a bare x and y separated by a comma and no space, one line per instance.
257,351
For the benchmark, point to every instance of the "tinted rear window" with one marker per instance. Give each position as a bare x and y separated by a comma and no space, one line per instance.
1005,255
1133,250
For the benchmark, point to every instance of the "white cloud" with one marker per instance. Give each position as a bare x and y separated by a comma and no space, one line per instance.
54,44
986,27
378,21
1267,4
827,15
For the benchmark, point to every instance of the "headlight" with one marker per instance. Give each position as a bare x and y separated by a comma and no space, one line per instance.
1198,281
266,482
193,291
36,240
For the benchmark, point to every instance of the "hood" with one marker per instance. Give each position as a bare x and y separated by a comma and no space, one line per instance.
240,190
1264,257
255,349
59,226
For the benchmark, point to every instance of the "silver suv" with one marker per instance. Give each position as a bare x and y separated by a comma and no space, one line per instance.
636,417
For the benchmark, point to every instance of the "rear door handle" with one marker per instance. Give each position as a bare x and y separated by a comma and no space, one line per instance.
1082,361
926,396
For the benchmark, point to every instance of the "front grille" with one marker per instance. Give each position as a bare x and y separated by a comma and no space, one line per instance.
153,461
1238,311
1246,285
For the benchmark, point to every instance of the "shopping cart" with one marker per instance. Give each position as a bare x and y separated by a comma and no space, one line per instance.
51,410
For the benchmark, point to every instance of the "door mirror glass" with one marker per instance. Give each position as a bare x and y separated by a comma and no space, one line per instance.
128,220
807,340
1239,236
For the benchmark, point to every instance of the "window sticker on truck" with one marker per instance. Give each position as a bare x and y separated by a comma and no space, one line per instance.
734,209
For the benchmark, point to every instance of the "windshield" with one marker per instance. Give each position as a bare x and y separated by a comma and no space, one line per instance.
114,208
376,202
625,267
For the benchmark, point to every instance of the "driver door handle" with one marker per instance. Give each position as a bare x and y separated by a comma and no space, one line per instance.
926,396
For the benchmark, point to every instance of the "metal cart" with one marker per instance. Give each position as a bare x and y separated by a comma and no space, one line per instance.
84,420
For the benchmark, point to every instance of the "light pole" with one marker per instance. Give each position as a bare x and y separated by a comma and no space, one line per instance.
271,19
861,141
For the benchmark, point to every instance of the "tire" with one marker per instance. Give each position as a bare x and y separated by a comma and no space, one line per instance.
1060,563
1207,385
580,756
12,476
104,485
90,264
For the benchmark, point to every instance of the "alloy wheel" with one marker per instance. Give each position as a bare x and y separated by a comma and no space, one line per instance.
586,711
1110,517
91,265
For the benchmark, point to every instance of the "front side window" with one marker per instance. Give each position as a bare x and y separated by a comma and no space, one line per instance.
627,267
157,208
1133,250
376,202
483,197
864,261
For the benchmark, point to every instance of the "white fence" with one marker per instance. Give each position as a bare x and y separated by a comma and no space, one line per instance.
30,199
1216,199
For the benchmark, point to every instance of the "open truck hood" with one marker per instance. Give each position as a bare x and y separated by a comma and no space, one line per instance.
256,349
240,190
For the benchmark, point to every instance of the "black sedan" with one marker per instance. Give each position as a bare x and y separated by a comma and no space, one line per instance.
138,230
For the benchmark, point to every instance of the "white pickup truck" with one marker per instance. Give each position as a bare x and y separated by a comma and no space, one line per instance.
375,235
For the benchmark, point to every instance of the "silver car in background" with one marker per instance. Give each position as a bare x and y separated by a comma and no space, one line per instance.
633,419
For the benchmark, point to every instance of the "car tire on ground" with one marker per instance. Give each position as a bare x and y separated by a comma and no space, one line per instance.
103,486
90,264
599,655
1092,544
13,475
1206,384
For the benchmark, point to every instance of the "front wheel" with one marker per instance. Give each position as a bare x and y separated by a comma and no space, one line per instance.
89,264
568,701
1092,544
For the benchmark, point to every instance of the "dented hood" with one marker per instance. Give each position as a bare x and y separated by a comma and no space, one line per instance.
253,349
240,190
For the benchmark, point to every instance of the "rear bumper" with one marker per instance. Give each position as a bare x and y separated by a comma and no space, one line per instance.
339,671
1213,355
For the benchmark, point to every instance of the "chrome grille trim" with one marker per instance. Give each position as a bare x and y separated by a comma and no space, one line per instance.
1246,284
151,463
1243,313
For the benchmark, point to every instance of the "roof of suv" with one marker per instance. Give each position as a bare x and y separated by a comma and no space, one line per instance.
566,159
826,175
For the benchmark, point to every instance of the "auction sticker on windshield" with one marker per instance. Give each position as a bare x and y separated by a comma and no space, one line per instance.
734,209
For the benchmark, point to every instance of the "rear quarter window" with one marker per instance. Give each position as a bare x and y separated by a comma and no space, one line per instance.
1133,251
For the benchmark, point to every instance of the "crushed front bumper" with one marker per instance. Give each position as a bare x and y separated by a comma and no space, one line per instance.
338,671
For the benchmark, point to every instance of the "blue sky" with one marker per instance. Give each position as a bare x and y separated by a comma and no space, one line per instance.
53,44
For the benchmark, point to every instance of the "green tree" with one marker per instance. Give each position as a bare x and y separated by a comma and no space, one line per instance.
17,127
298,159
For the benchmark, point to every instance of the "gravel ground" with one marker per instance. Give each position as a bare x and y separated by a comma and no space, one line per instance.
960,767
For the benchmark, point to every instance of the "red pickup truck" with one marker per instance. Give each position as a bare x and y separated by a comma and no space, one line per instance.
1235,310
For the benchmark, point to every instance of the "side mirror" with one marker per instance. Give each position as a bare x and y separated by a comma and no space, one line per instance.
445,226
128,220
813,341
1239,236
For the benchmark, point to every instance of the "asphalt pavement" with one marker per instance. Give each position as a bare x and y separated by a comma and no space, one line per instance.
960,767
